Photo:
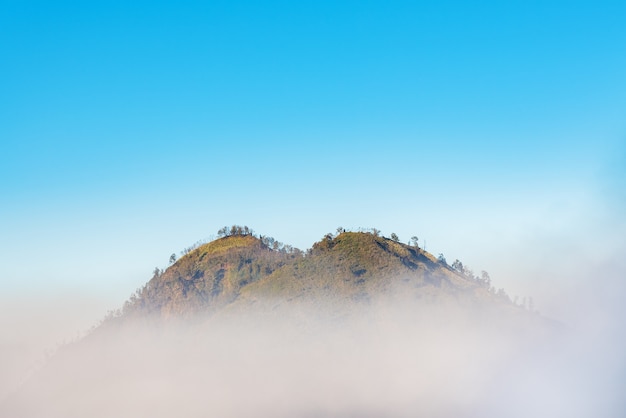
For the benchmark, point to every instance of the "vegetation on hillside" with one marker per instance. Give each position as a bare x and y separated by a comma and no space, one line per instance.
239,267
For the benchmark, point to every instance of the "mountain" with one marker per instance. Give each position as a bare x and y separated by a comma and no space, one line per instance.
346,270
357,326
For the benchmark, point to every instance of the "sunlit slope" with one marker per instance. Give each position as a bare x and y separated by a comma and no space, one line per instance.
207,278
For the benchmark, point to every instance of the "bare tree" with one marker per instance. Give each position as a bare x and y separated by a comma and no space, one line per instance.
485,279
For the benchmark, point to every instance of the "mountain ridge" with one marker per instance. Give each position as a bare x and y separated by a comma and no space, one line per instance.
239,269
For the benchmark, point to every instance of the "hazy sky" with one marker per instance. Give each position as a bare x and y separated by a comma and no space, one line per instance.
495,131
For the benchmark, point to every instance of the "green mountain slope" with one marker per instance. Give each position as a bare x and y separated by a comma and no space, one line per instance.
208,277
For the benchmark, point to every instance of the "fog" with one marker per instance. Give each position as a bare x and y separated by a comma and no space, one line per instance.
386,359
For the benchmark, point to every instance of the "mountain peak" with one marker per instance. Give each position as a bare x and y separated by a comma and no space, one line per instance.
230,243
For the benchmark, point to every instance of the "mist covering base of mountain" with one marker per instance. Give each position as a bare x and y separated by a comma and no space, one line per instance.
359,326
387,361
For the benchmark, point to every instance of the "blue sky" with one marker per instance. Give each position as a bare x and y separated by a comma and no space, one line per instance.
130,131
